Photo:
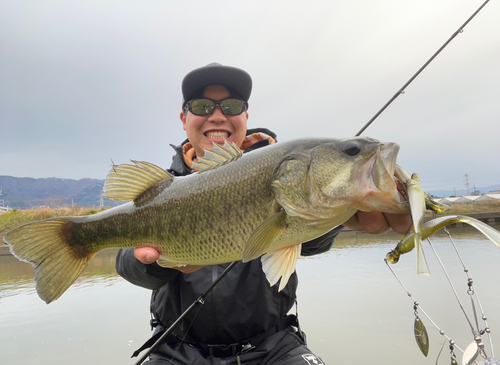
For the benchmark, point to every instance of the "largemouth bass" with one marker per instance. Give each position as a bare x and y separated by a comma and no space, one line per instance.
267,202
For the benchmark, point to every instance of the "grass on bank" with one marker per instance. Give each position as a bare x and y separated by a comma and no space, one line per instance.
15,218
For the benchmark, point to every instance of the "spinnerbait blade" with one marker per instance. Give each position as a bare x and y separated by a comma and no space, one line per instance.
421,336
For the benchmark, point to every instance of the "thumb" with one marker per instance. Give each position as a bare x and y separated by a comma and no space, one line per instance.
146,255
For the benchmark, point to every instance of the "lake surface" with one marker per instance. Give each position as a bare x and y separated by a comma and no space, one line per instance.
351,306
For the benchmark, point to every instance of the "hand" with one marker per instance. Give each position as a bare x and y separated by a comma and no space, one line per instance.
148,255
378,222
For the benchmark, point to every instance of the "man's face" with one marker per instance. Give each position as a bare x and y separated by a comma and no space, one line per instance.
203,130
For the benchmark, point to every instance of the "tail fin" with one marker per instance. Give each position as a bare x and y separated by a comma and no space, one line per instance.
47,246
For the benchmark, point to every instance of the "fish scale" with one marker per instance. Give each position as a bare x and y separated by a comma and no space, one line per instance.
264,203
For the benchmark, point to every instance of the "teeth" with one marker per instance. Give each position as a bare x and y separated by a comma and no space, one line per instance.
217,135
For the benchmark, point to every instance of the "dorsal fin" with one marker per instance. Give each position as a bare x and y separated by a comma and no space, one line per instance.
127,182
218,156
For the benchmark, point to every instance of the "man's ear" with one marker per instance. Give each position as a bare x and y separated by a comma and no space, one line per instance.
183,120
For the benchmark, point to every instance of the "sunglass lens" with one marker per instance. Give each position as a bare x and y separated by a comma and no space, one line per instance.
202,106
207,106
232,106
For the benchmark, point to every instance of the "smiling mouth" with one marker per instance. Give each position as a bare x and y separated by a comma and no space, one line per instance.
217,135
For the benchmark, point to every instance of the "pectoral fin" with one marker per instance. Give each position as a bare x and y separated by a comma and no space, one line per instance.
281,264
262,238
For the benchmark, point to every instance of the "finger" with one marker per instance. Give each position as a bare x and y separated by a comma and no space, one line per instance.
373,222
353,223
146,255
400,223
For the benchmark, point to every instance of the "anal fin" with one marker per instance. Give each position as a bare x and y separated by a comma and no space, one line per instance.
164,262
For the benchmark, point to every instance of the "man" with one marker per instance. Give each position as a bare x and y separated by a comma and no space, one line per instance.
244,320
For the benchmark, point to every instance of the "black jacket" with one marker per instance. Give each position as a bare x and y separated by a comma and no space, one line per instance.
241,306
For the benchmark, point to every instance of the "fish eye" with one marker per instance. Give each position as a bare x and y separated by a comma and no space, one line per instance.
351,148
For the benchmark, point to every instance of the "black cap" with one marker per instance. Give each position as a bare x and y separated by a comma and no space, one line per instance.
216,74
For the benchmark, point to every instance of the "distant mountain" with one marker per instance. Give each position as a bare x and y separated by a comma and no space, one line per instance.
23,193
463,192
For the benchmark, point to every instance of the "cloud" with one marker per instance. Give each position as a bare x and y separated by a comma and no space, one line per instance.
85,81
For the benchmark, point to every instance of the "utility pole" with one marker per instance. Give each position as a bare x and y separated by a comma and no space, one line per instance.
467,183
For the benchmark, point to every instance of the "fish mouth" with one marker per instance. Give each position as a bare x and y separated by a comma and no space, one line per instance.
382,189
385,165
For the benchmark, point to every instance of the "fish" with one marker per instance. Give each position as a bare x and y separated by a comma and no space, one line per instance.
265,203
407,244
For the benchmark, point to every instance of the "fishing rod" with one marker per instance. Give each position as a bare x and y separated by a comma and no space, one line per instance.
402,90
197,302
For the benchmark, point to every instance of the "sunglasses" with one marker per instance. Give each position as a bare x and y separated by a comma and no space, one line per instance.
207,106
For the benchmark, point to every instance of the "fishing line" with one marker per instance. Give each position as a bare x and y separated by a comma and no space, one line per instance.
441,332
471,292
402,90
452,287
474,292
420,331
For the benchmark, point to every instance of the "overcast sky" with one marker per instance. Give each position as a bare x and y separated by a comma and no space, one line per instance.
85,81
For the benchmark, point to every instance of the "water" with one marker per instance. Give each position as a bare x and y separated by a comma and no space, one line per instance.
350,305
101,319
355,311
